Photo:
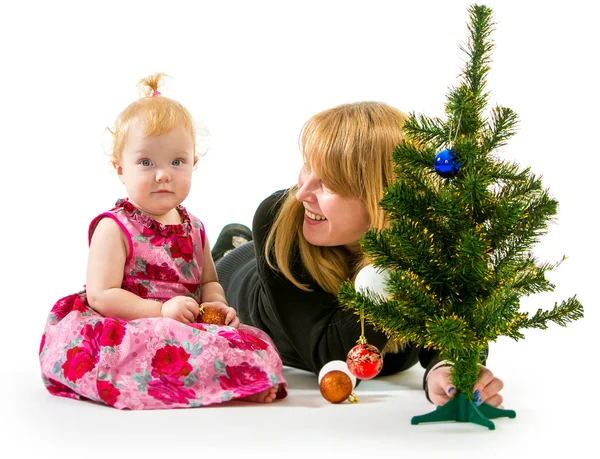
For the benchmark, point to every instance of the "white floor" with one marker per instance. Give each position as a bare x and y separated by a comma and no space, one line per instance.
549,387
254,72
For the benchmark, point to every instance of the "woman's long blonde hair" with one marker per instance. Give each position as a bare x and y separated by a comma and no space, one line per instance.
159,114
350,148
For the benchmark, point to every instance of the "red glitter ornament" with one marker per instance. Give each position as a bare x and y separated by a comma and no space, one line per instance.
364,360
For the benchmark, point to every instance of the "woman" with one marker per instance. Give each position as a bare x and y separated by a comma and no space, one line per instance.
305,242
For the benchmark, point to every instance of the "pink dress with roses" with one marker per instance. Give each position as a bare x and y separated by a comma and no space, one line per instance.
154,363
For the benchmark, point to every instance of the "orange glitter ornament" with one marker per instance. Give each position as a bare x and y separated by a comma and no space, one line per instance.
336,383
211,315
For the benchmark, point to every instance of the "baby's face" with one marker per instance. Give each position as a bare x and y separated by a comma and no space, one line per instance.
157,170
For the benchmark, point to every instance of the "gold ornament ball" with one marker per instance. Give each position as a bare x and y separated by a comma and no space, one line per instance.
210,315
336,386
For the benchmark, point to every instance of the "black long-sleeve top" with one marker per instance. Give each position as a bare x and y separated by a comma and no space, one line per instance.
308,328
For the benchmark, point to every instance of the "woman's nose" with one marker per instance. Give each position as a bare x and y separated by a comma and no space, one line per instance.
305,189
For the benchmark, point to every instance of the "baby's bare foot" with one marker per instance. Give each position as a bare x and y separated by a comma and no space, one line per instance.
266,396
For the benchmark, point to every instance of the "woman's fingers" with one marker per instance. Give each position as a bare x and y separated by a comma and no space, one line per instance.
487,388
440,387
494,400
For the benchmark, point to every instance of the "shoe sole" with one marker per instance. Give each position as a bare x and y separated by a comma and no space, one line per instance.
224,242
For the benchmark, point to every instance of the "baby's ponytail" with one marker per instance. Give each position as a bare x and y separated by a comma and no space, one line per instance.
149,85
158,115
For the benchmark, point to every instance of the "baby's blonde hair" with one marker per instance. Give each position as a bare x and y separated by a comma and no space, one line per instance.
350,148
158,113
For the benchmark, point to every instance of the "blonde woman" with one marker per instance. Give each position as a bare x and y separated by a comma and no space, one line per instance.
305,242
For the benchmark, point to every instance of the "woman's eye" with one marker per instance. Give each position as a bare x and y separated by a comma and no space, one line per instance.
177,162
146,162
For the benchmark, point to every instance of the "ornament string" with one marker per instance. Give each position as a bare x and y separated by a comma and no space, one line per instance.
353,398
450,141
362,339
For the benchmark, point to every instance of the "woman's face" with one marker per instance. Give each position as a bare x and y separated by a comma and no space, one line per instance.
330,219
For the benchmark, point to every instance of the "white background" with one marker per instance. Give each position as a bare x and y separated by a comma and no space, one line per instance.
254,72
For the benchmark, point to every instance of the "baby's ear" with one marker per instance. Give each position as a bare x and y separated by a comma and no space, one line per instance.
119,169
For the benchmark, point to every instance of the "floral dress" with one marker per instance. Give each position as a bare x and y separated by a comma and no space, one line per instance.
154,363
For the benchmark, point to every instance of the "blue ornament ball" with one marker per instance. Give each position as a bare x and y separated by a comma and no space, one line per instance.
446,163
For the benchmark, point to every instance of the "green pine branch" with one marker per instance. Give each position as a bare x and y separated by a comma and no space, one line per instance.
452,335
529,277
499,129
423,129
408,158
561,314
493,315
478,48
394,318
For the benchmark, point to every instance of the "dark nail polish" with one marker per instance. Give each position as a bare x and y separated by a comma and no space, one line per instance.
476,394
450,390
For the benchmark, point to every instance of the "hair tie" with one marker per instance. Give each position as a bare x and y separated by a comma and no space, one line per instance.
155,93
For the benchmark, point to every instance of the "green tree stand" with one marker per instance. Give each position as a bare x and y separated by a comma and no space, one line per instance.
461,409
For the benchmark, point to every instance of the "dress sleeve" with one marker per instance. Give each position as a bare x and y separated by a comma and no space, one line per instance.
113,217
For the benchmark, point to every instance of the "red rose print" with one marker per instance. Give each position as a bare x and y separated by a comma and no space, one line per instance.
67,304
78,363
42,343
171,361
134,286
91,338
57,388
182,247
63,307
201,327
155,239
242,375
162,272
192,288
80,304
241,339
108,393
169,390
113,332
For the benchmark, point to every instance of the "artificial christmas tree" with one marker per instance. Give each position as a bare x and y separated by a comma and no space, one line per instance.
458,247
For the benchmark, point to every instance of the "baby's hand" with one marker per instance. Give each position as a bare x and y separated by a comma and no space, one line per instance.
181,308
231,318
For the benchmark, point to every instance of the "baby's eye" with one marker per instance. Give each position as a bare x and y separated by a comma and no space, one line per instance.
146,162
177,162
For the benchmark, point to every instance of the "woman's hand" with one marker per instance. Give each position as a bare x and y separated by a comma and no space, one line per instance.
441,389
487,388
